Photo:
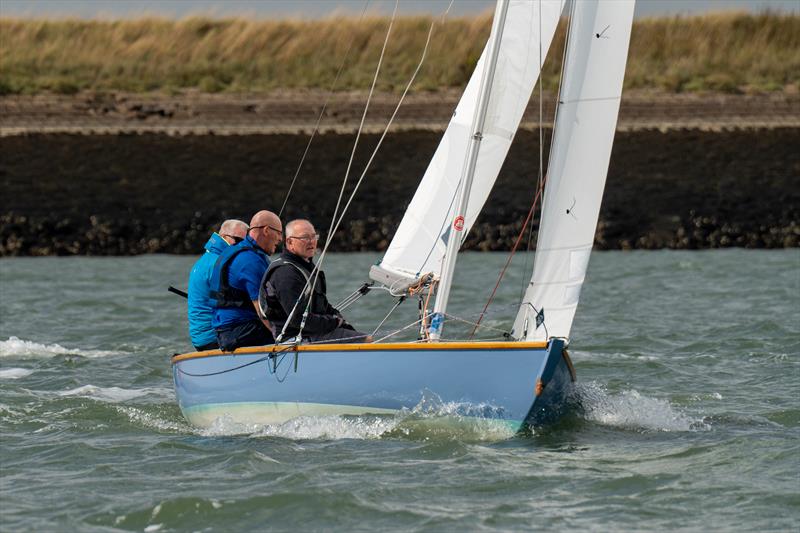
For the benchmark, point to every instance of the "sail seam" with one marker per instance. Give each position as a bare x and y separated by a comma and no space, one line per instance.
597,99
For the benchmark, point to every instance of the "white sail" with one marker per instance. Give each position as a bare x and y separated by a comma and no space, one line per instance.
421,239
584,132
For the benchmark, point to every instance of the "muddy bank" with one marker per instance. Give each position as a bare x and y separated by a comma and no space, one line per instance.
130,194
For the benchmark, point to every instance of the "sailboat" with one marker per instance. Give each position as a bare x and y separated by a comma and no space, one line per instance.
524,381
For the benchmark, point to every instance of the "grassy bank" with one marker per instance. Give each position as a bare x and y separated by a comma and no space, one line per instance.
721,52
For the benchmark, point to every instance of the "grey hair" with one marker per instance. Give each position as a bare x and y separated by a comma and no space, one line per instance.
291,225
230,226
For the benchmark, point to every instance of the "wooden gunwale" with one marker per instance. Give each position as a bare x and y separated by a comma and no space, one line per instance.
366,347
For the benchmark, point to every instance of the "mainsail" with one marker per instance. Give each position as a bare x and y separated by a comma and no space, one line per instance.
584,132
421,239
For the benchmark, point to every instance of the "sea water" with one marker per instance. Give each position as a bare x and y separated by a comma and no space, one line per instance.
689,418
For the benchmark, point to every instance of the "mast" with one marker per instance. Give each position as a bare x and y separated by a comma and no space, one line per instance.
458,222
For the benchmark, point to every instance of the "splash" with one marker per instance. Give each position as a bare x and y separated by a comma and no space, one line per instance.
308,428
15,347
150,420
15,373
430,419
631,410
112,394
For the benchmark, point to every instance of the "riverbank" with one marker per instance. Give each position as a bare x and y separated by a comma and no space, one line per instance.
298,112
733,52
66,194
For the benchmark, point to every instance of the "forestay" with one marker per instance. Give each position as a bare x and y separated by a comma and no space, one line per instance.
586,120
421,239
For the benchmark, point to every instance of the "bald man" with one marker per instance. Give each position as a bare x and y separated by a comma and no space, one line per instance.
235,284
285,282
201,306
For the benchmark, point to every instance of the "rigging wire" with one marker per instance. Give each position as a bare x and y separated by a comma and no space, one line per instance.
329,240
322,112
363,119
331,231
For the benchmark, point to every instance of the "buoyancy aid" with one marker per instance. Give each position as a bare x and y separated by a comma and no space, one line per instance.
268,300
221,292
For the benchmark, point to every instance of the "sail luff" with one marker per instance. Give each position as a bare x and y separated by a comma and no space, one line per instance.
419,244
462,197
584,132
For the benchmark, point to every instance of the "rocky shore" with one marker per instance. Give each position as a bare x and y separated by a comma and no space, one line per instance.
119,174
66,194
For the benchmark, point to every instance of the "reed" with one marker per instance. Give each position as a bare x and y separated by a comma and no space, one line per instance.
728,52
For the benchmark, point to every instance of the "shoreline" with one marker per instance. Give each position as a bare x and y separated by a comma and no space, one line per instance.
297,112
67,194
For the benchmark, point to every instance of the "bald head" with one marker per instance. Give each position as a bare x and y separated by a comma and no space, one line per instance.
267,230
233,230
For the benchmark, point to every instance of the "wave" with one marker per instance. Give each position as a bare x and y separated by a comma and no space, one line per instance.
632,410
155,421
15,373
113,394
15,347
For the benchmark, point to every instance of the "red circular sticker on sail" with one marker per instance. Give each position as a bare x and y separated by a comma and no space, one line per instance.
458,223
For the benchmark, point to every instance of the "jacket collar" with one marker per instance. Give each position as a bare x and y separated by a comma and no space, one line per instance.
252,242
216,244
294,258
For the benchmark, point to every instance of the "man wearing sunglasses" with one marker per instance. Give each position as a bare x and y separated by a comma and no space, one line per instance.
235,282
290,278
201,306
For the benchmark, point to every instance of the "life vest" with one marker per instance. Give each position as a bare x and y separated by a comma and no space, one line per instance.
221,292
268,301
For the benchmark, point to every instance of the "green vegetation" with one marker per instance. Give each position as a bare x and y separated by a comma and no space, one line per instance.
729,52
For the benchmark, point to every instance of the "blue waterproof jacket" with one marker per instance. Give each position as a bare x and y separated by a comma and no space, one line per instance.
201,306
235,283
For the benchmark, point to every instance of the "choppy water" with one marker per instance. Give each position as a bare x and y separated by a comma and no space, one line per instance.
689,369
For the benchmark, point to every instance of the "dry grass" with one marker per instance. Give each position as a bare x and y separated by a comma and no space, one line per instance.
727,52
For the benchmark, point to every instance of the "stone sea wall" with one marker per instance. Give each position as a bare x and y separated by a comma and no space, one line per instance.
122,194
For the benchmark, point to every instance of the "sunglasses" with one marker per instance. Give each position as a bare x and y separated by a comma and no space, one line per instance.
236,239
268,226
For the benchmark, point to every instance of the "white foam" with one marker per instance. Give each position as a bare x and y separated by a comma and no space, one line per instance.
308,427
431,418
631,410
15,347
15,373
111,394
152,421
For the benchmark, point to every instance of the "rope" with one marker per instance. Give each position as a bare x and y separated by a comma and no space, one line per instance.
392,334
335,227
542,178
354,296
322,112
505,333
508,261
341,192
399,301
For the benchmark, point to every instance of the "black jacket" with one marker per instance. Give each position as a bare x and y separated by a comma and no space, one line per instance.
281,287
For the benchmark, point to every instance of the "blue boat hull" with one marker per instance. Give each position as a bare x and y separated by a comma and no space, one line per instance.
513,384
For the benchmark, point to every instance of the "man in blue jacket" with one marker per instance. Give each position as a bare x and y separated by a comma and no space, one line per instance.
201,306
235,283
